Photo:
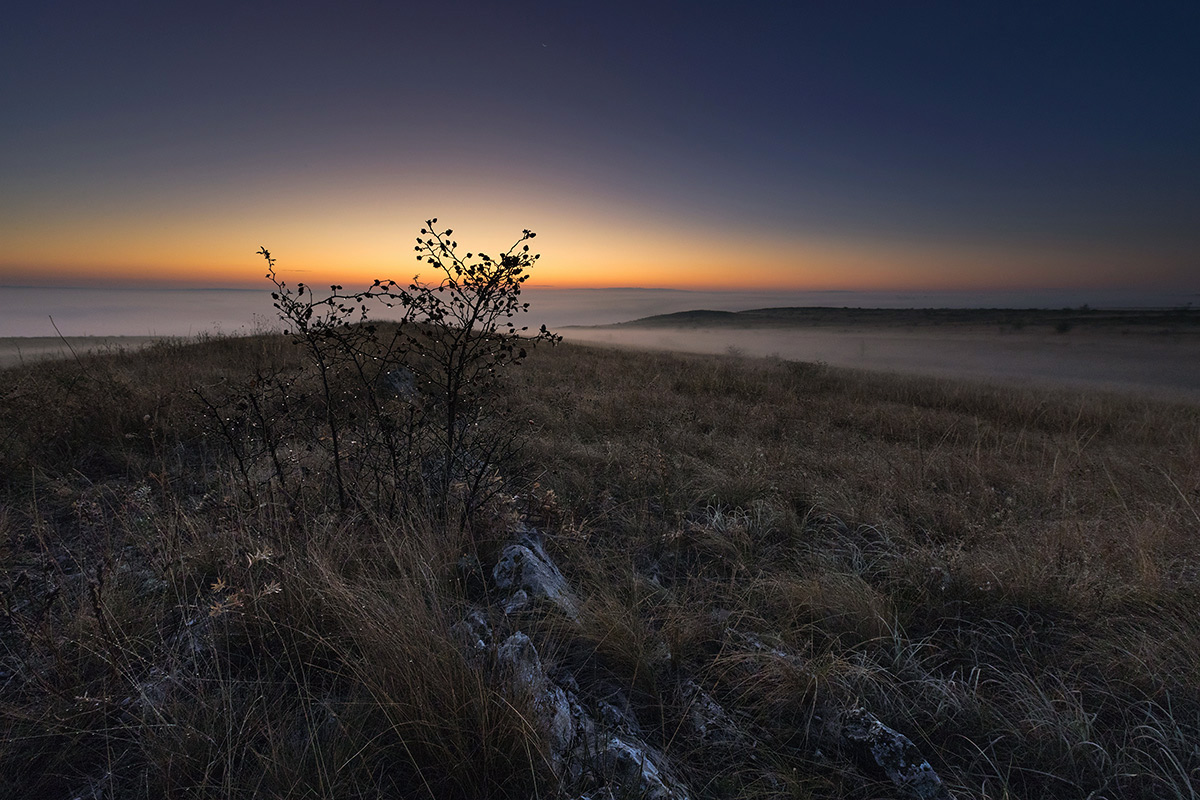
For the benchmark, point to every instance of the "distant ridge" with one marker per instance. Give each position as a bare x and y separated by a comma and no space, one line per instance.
699,317
1062,320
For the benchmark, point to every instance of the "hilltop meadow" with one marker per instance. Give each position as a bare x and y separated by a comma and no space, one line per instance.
1007,575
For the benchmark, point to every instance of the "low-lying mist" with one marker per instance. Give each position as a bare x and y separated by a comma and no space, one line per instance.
1163,365
1144,362
134,311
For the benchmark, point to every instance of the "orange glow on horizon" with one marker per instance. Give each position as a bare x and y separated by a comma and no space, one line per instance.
605,251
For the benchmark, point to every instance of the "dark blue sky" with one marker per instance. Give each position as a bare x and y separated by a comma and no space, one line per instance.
980,144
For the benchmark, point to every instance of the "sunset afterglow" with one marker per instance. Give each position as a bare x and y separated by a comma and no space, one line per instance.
681,146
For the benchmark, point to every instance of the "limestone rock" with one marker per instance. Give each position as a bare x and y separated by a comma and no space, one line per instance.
894,753
634,768
558,711
601,753
708,720
517,601
525,566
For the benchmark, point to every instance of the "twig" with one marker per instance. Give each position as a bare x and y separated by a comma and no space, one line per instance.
78,360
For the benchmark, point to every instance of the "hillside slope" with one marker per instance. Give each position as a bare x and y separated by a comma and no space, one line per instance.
1006,577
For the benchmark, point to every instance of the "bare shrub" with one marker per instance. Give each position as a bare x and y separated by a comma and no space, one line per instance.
388,415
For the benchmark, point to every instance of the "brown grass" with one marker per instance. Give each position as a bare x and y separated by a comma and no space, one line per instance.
1005,574
1008,576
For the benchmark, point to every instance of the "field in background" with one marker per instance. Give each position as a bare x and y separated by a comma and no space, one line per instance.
1151,352
1147,352
17,350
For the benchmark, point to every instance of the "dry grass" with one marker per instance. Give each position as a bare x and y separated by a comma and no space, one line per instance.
164,637
1008,576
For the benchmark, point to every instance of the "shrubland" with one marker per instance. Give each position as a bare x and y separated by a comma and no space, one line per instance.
1008,576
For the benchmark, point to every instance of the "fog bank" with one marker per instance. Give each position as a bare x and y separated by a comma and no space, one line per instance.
1161,365
1165,365
25,311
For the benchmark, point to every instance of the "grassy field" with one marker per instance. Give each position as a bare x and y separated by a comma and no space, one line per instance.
18,350
1009,576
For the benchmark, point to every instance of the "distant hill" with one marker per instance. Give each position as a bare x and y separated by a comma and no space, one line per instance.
1061,320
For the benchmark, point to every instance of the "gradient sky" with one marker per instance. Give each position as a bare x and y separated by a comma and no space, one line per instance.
957,145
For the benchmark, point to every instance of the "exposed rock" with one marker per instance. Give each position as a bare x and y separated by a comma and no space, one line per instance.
562,719
524,566
475,634
893,752
616,714
632,765
601,753
97,789
518,655
603,793
755,644
582,749
517,601
708,720
859,732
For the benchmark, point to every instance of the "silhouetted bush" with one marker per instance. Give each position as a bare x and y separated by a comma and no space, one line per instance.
388,414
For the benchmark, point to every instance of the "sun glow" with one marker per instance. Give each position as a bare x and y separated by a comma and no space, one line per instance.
584,242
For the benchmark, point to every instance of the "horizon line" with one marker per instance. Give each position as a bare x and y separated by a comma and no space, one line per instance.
158,286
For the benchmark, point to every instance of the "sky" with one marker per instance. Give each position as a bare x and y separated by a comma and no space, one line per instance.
690,145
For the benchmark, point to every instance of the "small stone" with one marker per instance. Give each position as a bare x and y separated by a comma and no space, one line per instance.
894,753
